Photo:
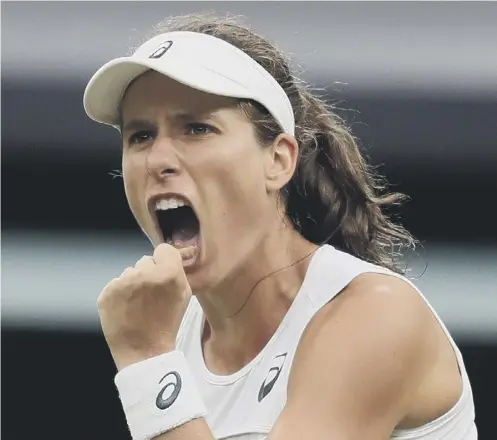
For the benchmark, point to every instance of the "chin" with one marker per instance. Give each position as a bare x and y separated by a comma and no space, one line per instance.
202,277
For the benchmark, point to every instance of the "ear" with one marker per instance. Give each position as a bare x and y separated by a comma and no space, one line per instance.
281,162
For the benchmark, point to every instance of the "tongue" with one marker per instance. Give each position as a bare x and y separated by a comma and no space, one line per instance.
185,236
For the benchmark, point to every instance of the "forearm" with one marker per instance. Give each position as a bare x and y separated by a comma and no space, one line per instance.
193,430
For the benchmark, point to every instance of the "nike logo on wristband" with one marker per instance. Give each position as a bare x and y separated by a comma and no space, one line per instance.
165,403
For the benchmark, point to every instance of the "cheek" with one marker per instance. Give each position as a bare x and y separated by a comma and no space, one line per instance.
133,184
235,181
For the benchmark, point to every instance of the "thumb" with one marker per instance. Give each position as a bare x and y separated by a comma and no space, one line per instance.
188,252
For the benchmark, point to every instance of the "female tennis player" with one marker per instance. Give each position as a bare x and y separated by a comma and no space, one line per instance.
274,305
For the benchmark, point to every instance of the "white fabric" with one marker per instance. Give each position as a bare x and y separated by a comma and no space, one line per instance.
158,394
234,409
197,60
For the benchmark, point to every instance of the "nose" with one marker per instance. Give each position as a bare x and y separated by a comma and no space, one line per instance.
162,160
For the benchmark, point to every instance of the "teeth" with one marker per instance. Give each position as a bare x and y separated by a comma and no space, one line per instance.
170,203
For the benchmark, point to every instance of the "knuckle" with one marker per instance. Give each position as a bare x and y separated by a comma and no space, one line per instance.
104,295
110,287
165,251
159,276
149,281
169,279
127,272
144,260
114,286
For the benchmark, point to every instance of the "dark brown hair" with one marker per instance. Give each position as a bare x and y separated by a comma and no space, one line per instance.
334,196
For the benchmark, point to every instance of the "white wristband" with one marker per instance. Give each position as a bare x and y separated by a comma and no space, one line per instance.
158,395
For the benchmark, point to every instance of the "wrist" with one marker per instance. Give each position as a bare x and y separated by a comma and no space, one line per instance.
124,358
159,394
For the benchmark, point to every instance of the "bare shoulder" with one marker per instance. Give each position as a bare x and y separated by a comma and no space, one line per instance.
385,295
377,309
362,359
384,290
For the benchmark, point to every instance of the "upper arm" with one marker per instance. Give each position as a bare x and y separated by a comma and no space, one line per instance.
358,364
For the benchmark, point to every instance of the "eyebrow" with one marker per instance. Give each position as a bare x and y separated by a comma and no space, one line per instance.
185,116
142,124
138,124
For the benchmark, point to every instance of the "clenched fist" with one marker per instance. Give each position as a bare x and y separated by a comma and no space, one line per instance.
141,311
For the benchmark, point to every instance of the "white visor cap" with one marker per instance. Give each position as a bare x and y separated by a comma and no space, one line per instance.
196,60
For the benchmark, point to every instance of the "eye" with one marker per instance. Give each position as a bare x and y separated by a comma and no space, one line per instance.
139,137
199,129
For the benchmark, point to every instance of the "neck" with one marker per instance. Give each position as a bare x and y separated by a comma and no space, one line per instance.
260,291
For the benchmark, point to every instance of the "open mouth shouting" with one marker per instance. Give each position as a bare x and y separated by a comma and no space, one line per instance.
177,224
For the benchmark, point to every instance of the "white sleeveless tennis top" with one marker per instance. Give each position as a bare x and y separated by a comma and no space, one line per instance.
245,405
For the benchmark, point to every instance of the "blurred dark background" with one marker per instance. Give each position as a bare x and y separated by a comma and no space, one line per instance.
417,82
